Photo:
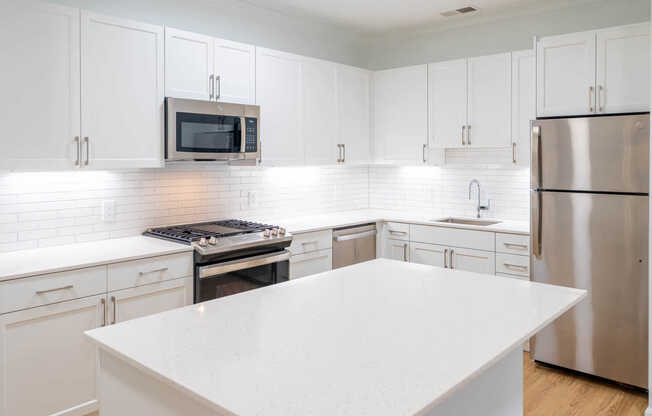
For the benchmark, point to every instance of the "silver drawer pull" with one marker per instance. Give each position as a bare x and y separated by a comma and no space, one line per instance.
162,269
325,256
517,246
397,232
515,267
56,289
307,243
473,257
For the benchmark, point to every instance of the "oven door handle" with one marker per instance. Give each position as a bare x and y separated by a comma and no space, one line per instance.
247,263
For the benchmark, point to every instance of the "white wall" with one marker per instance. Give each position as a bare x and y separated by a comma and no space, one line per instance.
501,35
239,21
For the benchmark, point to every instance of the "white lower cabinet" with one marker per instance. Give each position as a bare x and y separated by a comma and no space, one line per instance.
396,250
477,261
47,366
150,299
307,264
430,254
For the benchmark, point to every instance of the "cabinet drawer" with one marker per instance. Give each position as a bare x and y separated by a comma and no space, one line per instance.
455,237
396,231
149,270
311,263
309,242
51,288
511,264
513,244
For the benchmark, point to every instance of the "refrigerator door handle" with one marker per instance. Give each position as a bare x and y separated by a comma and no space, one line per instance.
535,202
536,157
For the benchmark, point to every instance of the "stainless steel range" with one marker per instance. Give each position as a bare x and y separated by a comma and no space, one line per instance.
232,256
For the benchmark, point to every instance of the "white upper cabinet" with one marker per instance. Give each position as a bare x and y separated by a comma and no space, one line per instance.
40,80
523,104
623,69
489,102
279,95
235,72
353,91
122,93
320,121
566,75
447,96
401,114
188,65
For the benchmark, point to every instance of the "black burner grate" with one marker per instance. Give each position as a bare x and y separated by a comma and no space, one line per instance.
193,232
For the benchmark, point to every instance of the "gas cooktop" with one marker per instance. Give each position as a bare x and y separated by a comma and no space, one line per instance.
220,236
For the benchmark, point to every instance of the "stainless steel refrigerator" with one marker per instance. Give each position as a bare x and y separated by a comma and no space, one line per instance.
589,230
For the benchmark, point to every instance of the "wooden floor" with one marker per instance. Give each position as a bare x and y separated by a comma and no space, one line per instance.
554,392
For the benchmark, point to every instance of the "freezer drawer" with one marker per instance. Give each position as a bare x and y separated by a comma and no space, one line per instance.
597,242
600,154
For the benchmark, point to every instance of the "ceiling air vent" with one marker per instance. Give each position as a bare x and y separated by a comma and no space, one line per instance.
463,10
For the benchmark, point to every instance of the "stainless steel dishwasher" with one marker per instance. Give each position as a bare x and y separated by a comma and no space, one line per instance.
352,245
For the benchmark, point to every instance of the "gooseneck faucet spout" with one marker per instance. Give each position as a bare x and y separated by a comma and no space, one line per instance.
479,207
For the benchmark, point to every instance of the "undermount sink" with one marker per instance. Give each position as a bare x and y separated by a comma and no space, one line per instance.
466,221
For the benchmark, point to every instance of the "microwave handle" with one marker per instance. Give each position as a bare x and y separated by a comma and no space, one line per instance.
243,135
215,270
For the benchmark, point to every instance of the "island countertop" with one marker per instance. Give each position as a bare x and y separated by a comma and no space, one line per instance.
377,338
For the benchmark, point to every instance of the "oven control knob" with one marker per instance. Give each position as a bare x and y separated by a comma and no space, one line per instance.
203,242
274,232
281,231
212,241
267,233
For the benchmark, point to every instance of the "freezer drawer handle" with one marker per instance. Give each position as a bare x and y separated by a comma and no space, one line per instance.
355,236
535,203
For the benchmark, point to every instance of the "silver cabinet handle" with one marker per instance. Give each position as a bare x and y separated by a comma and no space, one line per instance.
463,130
355,236
56,289
325,256
78,146
343,153
88,151
451,262
397,232
599,96
339,153
162,269
423,154
516,246
514,152
306,243
445,259
515,267
218,93
591,99
211,86
405,256
468,135
474,257
103,303
535,180
115,309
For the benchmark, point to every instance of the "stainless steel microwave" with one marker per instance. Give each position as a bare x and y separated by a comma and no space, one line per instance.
206,130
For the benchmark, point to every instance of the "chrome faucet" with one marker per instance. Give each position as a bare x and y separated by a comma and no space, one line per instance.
480,207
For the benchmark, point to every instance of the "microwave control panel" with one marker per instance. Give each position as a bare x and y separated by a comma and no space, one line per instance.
251,135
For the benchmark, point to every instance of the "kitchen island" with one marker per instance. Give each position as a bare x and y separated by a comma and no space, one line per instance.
377,338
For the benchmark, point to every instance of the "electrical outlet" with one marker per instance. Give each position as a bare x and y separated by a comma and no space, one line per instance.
252,199
108,211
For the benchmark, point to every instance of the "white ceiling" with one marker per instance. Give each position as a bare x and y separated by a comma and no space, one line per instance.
377,16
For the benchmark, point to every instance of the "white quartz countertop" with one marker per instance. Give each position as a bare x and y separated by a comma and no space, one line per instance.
377,338
17,264
347,218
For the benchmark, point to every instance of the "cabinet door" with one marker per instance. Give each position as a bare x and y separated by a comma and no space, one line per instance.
447,86
623,71
430,254
188,65
566,75
353,92
149,299
122,92
523,104
47,366
40,82
235,72
472,260
490,101
320,111
279,84
401,114
396,250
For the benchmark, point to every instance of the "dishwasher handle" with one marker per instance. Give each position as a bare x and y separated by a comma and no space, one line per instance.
355,236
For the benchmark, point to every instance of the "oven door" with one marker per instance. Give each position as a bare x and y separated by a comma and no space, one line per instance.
223,279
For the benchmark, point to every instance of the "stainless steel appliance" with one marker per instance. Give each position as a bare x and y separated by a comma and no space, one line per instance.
207,130
352,245
589,230
232,256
